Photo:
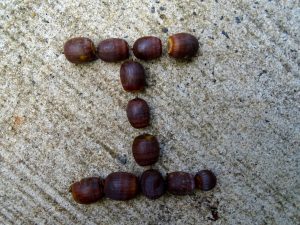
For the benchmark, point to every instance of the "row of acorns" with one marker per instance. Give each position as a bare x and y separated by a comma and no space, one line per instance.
81,50
145,148
124,186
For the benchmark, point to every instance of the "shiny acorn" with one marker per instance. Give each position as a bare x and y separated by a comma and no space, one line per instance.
138,113
113,50
121,186
132,75
152,184
147,48
205,180
87,190
182,45
180,183
80,50
145,149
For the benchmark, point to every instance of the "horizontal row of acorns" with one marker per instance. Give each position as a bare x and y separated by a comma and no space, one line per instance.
82,50
124,186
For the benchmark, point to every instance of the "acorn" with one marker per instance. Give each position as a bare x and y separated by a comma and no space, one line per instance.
147,48
138,113
121,186
180,183
132,76
145,149
88,190
80,50
152,184
182,45
113,50
205,180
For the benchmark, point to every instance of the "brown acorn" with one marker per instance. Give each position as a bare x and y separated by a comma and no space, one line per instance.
80,50
145,149
132,76
138,113
180,183
147,48
113,50
121,186
205,180
152,184
88,190
182,45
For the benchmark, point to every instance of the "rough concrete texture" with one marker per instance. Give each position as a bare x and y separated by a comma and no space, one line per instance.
233,109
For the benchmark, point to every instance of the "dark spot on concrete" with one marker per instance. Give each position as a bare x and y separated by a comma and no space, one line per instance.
164,30
162,16
287,67
181,19
222,17
162,8
214,214
45,21
122,159
238,20
262,72
225,34
267,121
152,9
214,81
194,13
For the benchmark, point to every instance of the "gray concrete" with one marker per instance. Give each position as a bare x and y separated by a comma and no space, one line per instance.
233,109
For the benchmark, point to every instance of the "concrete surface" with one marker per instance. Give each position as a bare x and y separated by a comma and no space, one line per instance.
233,109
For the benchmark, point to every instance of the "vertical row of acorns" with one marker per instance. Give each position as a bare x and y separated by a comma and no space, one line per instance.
145,147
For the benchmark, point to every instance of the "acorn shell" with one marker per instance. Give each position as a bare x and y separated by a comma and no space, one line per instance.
132,75
113,50
80,50
152,184
147,48
205,180
121,186
138,113
180,183
88,190
182,45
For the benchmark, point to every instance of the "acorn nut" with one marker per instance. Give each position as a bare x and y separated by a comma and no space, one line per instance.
113,50
88,190
145,149
182,45
147,48
205,180
152,184
121,186
132,76
138,113
80,50
180,183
